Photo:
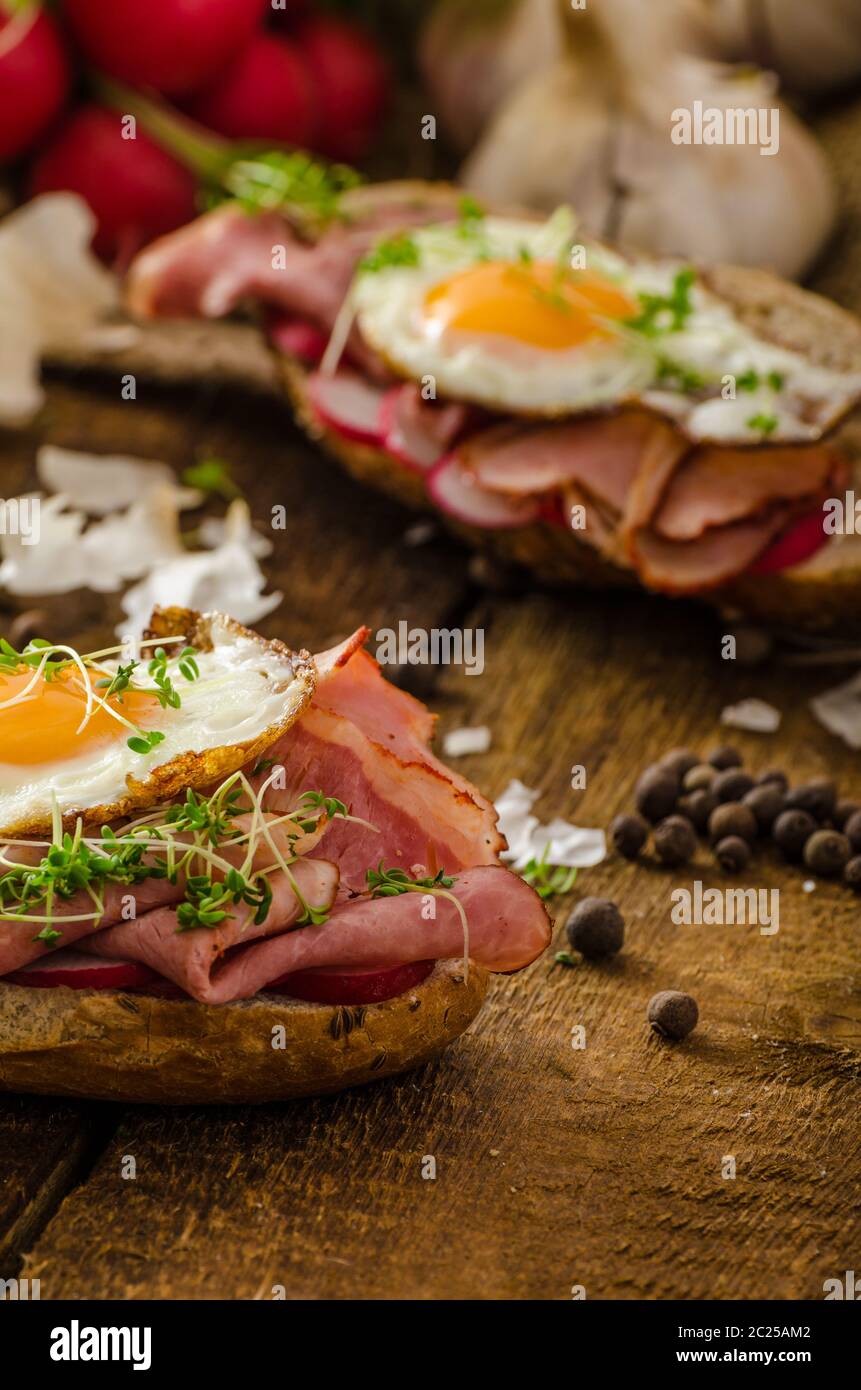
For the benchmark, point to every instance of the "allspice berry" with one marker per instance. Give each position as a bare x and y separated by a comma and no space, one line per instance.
698,806
827,852
852,831
818,798
775,775
675,840
842,812
766,801
596,928
678,761
852,873
628,834
722,758
733,854
733,818
732,784
673,1014
656,793
699,778
791,831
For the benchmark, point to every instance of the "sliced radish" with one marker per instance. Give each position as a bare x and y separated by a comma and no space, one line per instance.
456,492
338,984
349,404
297,338
75,970
415,432
801,540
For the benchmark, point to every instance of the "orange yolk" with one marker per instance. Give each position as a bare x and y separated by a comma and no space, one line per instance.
42,728
532,303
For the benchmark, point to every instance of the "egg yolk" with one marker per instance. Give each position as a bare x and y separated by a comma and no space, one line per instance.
532,303
43,727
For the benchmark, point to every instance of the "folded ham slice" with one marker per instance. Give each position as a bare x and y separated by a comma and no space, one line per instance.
508,928
715,557
367,743
717,487
17,946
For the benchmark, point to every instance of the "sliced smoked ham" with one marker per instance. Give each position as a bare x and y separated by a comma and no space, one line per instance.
714,558
507,924
717,487
189,958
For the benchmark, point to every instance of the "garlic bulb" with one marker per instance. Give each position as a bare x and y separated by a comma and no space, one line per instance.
597,130
813,45
473,53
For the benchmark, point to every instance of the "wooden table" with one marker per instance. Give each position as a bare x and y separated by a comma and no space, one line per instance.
599,1167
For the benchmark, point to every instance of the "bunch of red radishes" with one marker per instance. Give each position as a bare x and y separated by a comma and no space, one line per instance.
269,70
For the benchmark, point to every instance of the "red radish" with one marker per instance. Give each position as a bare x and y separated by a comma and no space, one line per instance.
803,538
416,433
136,191
352,80
348,403
34,78
456,492
352,985
297,338
265,93
75,970
174,46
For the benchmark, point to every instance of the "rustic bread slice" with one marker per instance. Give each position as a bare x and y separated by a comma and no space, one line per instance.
110,1045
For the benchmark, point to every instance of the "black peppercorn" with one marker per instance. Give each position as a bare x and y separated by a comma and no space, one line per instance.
791,831
698,806
733,818
656,793
732,784
629,833
775,775
675,840
596,928
722,758
818,798
699,778
827,852
733,854
852,831
766,802
678,761
852,872
842,812
673,1014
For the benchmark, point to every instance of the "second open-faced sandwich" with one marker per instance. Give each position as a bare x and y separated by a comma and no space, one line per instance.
595,414
231,872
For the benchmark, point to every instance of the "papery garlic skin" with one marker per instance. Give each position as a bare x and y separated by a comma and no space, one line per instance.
474,53
567,137
812,45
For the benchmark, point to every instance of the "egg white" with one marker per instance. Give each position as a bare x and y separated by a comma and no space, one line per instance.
518,378
244,688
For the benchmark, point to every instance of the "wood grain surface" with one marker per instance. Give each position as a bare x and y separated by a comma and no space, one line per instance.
600,1166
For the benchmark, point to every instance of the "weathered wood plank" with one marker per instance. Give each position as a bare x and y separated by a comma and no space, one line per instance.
556,1167
341,559
42,1148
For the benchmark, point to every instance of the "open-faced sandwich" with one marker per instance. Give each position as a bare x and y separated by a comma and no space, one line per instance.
594,414
231,872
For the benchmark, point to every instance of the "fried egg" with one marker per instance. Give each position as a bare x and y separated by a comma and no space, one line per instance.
54,757
515,316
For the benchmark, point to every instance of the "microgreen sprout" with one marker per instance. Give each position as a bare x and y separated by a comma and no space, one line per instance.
547,879
665,313
210,846
391,882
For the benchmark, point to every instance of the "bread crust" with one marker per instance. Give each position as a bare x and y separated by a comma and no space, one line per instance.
804,598
110,1045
